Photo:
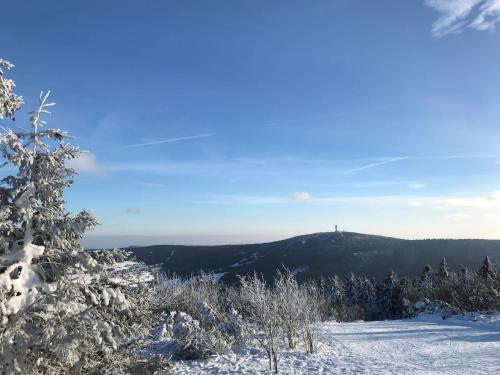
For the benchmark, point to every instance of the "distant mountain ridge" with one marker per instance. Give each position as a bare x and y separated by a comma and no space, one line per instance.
320,254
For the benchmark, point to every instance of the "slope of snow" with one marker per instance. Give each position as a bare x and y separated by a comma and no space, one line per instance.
245,261
426,345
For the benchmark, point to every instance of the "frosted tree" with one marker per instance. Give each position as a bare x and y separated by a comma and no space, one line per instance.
392,297
337,289
487,271
427,280
352,287
310,301
264,310
288,294
368,299
37,233
10,103
443,272
60,311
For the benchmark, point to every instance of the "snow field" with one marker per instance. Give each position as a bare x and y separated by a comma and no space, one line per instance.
424,346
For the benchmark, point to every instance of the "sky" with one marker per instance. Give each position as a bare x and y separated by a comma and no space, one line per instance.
210,122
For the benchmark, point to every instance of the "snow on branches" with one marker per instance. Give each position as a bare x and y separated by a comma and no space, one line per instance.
61,308
36,229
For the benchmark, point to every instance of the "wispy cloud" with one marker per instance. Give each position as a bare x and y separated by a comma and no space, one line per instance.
87,163
244,200
459,216
301,197
327,115
489,201
149,184
378,163
416,185
483,202
168,140
151,167
456,15
133,211
273,200
383,161
279,168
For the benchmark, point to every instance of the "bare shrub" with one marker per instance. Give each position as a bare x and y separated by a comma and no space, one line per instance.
264,311
290,300
311,301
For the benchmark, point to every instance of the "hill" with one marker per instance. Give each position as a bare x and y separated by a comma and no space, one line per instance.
320,254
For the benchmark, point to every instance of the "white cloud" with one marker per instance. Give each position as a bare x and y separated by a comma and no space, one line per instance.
472,202
456,15
133,211
459,217
416,185
301,197
415,203
86,163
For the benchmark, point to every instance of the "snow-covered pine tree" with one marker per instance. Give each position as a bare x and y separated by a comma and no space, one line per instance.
486,287
443,272
38,234
426,282
427,274
392,298
57,313
368,299
353,308
352,287
337,290
487,271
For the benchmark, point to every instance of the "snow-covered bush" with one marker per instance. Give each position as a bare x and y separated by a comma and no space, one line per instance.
263,310
233,326
191,339
311,301
301,307
289,296
201,321
208,316
179,294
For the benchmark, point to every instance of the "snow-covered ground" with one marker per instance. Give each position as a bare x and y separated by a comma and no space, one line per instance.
426,345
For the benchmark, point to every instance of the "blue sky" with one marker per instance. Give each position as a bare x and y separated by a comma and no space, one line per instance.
245,121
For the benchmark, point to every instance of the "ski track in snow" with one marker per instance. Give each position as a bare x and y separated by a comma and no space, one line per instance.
426,345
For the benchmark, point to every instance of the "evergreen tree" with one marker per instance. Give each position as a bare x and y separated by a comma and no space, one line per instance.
337,291
427,274
487,270
392,298
426,283
38,234
352,289
59,311
443,272
368,299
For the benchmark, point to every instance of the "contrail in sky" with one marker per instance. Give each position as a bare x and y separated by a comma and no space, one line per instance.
169,140
385,161
379,163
